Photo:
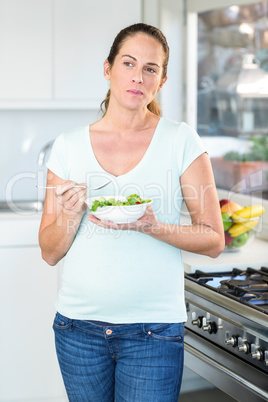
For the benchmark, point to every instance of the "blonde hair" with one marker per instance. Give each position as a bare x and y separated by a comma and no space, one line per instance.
119,40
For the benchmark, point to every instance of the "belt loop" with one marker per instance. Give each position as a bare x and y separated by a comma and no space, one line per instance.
144,328
71,326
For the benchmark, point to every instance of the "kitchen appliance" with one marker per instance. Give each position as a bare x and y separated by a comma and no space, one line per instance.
242,99
226,334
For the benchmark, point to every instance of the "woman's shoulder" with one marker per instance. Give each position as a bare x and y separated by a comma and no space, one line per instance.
177,128
181,134
68,140
75,133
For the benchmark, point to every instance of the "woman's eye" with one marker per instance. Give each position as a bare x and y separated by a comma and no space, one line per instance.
128,63
150,70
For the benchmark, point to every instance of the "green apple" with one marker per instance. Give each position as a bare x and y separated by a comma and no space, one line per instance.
227,220
240,240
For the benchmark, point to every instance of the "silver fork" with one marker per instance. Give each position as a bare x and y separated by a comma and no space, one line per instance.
89,188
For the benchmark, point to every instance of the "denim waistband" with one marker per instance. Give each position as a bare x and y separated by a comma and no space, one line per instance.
114,329
106,324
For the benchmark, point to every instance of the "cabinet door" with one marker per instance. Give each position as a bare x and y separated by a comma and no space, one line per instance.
25,49
29,369
84,31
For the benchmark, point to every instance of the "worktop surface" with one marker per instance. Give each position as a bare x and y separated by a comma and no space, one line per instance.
254,256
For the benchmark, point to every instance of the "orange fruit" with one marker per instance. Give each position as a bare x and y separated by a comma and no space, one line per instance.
231,207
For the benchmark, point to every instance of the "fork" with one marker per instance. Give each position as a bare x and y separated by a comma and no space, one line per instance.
89,188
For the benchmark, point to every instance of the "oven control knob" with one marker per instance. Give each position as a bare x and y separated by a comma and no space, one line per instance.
245,347
211,327
258,354
233,341
198,321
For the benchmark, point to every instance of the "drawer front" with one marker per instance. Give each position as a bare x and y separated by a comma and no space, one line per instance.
19,232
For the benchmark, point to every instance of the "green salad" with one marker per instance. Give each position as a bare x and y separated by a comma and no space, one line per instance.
132,199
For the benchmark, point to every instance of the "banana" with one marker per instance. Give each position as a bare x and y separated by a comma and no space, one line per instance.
238,228
248,213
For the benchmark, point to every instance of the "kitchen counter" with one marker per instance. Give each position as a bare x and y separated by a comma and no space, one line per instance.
253,256
19,228
20,216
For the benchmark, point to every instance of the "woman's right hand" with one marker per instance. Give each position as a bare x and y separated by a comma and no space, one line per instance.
71,198
63,211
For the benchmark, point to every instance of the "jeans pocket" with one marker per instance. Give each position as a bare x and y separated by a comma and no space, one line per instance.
167,332
61,322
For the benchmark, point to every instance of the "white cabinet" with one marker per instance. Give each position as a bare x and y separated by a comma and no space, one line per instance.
52,51
25,49
29,369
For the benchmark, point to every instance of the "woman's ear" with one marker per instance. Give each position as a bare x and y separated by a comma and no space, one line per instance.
106,69
162,83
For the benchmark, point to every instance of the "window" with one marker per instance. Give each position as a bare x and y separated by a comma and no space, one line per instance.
232,95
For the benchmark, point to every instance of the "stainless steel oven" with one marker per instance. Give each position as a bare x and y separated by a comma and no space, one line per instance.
226,335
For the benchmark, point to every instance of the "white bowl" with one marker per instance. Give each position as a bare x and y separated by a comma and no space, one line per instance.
118,214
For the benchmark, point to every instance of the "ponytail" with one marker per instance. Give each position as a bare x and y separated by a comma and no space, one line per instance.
105,103
154,108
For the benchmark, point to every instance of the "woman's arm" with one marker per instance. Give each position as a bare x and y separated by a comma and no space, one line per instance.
205,235
64,208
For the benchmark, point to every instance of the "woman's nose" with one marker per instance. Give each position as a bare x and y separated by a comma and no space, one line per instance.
137,78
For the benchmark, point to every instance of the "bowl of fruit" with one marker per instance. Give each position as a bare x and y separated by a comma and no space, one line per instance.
240,223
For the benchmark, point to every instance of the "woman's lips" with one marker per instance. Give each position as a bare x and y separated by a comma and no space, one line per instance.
134,92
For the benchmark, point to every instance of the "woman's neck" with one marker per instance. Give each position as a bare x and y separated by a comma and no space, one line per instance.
128,120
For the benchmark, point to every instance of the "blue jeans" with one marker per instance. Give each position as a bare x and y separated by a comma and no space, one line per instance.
129,362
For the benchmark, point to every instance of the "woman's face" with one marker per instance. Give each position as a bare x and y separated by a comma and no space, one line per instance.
136,75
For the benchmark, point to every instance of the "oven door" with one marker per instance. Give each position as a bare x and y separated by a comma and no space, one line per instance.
225,371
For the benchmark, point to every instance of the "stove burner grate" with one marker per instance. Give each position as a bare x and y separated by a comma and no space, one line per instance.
249,287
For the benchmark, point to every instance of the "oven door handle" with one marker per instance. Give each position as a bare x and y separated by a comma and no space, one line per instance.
213,363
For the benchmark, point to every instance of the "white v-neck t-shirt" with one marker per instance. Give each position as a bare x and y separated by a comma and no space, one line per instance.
125,276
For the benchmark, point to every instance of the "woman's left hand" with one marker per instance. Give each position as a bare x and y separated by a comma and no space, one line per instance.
148,223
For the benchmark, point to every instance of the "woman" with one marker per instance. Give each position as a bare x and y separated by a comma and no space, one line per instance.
120,316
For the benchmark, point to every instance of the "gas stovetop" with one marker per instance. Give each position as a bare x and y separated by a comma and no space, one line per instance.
230,310
249,287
